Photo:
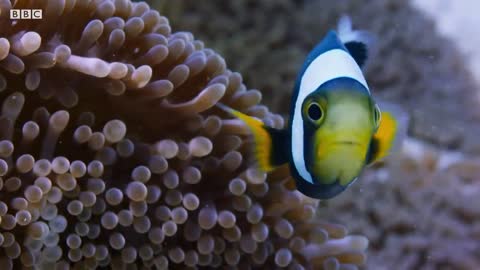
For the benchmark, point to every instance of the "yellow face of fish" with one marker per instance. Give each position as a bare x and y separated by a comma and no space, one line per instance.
339,126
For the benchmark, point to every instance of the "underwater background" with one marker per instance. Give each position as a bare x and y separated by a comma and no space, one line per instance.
114,156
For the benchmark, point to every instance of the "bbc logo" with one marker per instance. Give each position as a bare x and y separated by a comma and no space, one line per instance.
25,14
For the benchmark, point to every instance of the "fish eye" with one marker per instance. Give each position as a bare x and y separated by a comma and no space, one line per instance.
314,112
377,115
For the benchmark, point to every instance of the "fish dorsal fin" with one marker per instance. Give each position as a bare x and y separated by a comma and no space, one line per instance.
390,133
357,42
270,144
358,51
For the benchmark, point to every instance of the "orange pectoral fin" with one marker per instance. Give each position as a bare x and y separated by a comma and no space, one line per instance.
390,134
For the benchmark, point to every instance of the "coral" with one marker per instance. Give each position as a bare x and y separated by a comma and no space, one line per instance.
113,154
411,64
419,210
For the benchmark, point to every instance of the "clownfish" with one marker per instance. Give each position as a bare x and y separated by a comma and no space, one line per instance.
336,128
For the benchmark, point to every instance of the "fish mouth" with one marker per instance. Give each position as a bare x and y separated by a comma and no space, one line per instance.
347,143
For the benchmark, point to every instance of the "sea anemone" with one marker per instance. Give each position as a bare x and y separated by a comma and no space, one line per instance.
113,153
